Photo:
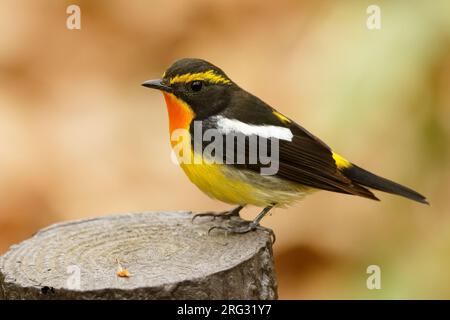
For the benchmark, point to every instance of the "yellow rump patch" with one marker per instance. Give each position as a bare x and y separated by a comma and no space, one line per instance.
341,162
281,117
207,76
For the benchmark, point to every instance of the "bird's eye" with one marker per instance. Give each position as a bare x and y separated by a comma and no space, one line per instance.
196,85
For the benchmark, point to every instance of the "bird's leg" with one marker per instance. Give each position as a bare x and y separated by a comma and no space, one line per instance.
249,225
223,215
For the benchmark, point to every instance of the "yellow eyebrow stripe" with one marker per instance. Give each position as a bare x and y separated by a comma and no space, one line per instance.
207,76
341,162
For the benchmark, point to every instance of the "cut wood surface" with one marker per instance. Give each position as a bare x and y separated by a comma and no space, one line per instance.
161,255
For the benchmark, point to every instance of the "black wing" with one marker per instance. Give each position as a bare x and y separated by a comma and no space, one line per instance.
305,159
308,161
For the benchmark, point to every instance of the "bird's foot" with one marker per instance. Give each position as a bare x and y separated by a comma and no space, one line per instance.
244,227
227,215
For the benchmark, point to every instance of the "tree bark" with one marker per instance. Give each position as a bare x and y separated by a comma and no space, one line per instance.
165,254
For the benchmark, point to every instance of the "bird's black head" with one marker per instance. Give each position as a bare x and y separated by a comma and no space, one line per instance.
200,84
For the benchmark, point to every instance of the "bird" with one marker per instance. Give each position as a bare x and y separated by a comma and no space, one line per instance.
199,97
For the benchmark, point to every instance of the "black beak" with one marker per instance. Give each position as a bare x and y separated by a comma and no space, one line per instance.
157,84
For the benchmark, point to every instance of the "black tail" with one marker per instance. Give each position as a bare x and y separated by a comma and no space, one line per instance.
365,178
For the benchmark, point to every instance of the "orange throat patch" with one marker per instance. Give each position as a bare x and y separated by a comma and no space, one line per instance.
180,114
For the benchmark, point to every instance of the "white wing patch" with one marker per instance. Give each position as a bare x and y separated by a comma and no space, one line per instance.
225,126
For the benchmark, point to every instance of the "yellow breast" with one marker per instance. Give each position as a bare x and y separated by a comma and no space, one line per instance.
221,181
236,186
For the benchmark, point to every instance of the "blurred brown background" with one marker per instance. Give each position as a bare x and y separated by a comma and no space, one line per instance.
80,137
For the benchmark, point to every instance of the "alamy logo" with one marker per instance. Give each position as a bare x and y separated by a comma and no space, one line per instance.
73,281
232,142
374,280
374,19
73,21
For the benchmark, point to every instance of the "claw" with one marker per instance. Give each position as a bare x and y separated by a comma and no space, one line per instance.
217,227
270,232
206,214
241,230
222,215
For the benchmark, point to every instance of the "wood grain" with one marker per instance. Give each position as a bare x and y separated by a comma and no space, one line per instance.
167,255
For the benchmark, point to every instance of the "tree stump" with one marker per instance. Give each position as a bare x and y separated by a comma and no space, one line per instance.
162,256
